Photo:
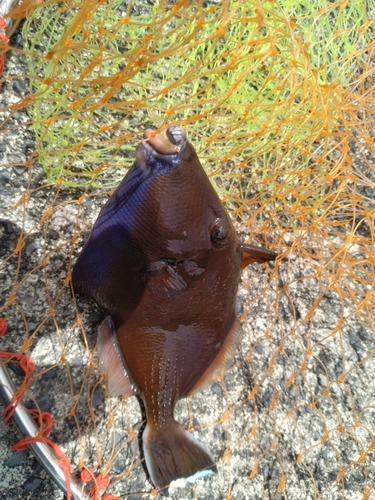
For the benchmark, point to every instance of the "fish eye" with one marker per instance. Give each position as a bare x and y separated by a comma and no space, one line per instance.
219,234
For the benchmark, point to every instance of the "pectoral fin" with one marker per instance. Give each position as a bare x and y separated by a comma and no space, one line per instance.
163,279
111,362
252,254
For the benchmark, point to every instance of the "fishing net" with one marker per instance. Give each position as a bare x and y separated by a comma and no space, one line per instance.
278,99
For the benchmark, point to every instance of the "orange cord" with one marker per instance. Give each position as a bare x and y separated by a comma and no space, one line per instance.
45,420
62,459
86,475
3,323
3,27
27,365
101,482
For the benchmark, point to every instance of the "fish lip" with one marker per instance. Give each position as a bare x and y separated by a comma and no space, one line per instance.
163,146
147,157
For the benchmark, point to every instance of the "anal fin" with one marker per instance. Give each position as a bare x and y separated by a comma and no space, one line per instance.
111,361
222,361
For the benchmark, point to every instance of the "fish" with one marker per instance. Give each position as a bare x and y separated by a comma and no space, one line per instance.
164,260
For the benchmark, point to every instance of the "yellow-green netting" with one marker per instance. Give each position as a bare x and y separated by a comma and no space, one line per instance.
278,99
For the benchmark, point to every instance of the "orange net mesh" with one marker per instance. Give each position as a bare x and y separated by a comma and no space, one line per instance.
278,100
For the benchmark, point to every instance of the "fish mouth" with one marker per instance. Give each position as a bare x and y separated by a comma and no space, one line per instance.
171,141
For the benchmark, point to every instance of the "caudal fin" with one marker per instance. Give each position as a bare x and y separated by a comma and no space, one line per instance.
174,453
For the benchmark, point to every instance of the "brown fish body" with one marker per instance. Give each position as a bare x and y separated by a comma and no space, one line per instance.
181,327
165,261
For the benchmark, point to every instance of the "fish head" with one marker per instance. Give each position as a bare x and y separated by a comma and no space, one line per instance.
191,245
189,218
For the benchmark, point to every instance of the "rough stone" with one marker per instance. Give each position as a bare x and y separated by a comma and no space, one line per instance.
15,459
33,483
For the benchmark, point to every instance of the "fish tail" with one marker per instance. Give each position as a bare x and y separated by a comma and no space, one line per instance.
173,453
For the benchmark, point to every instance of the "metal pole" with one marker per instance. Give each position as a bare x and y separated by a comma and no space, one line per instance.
42,452
5,6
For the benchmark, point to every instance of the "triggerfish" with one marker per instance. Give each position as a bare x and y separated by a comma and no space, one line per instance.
164,260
